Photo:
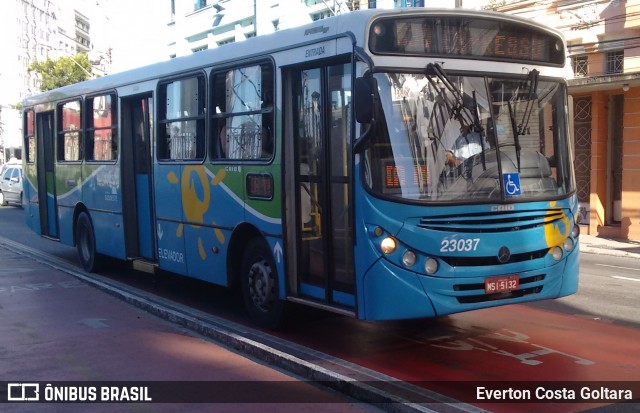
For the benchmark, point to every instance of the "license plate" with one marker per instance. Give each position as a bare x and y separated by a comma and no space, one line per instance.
501,284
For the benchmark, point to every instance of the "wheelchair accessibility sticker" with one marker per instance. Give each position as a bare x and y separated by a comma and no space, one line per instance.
511,183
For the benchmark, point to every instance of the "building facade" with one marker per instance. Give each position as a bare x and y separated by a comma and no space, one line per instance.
604,47
33,30
205,24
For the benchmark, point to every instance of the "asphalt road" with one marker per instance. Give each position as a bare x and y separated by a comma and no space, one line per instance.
609,291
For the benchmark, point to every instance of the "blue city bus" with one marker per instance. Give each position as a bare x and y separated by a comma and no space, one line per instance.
379,164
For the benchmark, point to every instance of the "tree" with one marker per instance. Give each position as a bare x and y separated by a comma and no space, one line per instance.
63,71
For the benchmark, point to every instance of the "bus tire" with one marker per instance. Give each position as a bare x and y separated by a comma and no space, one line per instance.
86,243
260,285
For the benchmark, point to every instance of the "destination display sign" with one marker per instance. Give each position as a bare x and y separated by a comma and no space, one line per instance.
465,37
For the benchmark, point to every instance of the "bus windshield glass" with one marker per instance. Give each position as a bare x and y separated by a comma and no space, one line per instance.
457,138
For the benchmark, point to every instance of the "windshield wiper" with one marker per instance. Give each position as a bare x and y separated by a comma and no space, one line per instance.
469,118
453,100
532,95
532,79
516,132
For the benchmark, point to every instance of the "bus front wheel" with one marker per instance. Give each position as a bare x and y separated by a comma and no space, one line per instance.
260,285
86,243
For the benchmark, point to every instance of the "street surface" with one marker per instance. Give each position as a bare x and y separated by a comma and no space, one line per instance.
590,338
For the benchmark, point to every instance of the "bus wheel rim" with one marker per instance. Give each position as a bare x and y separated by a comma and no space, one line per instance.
261,285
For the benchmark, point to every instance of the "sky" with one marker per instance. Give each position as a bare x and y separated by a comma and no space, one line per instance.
137,32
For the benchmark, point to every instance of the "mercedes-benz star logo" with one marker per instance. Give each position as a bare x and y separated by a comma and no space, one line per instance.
504,254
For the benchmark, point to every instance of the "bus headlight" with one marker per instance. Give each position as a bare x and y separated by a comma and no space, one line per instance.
557,253
388,245
431,266
575,231
568,244
409,258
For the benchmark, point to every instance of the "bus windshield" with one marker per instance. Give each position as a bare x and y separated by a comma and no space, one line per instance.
457,138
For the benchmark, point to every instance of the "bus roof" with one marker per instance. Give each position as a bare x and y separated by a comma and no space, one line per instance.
354,24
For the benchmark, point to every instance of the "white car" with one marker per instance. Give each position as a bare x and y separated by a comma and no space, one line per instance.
11,185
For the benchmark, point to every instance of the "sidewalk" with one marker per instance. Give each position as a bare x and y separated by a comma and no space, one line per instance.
608,246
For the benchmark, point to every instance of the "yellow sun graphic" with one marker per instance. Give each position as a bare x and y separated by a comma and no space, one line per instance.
193,206
558,231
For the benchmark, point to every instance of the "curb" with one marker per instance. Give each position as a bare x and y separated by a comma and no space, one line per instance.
614,252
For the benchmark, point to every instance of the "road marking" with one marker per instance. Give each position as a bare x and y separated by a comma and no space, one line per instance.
625,278
95,322
617,266
504,339
42,286
18,270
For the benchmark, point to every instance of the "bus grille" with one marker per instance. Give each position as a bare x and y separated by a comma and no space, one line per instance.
501,221
479,298
477,261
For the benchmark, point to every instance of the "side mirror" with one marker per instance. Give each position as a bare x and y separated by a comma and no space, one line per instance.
364,92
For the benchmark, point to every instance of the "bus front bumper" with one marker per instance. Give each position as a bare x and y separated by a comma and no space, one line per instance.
391,292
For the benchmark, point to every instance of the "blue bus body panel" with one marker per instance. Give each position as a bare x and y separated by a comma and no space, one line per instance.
171,252
68,182
169,218
65,219
196,214
570,279
393,293
195,218
554,285
30,204
101,193
109,234
206,254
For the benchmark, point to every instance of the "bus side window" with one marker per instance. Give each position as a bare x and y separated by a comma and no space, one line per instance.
222,140
243,120
182,117
70,131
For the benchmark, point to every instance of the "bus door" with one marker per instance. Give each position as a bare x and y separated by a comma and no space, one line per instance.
137,189
45,136
321,140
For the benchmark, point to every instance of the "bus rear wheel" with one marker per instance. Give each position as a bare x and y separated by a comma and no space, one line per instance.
260,285
86,243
